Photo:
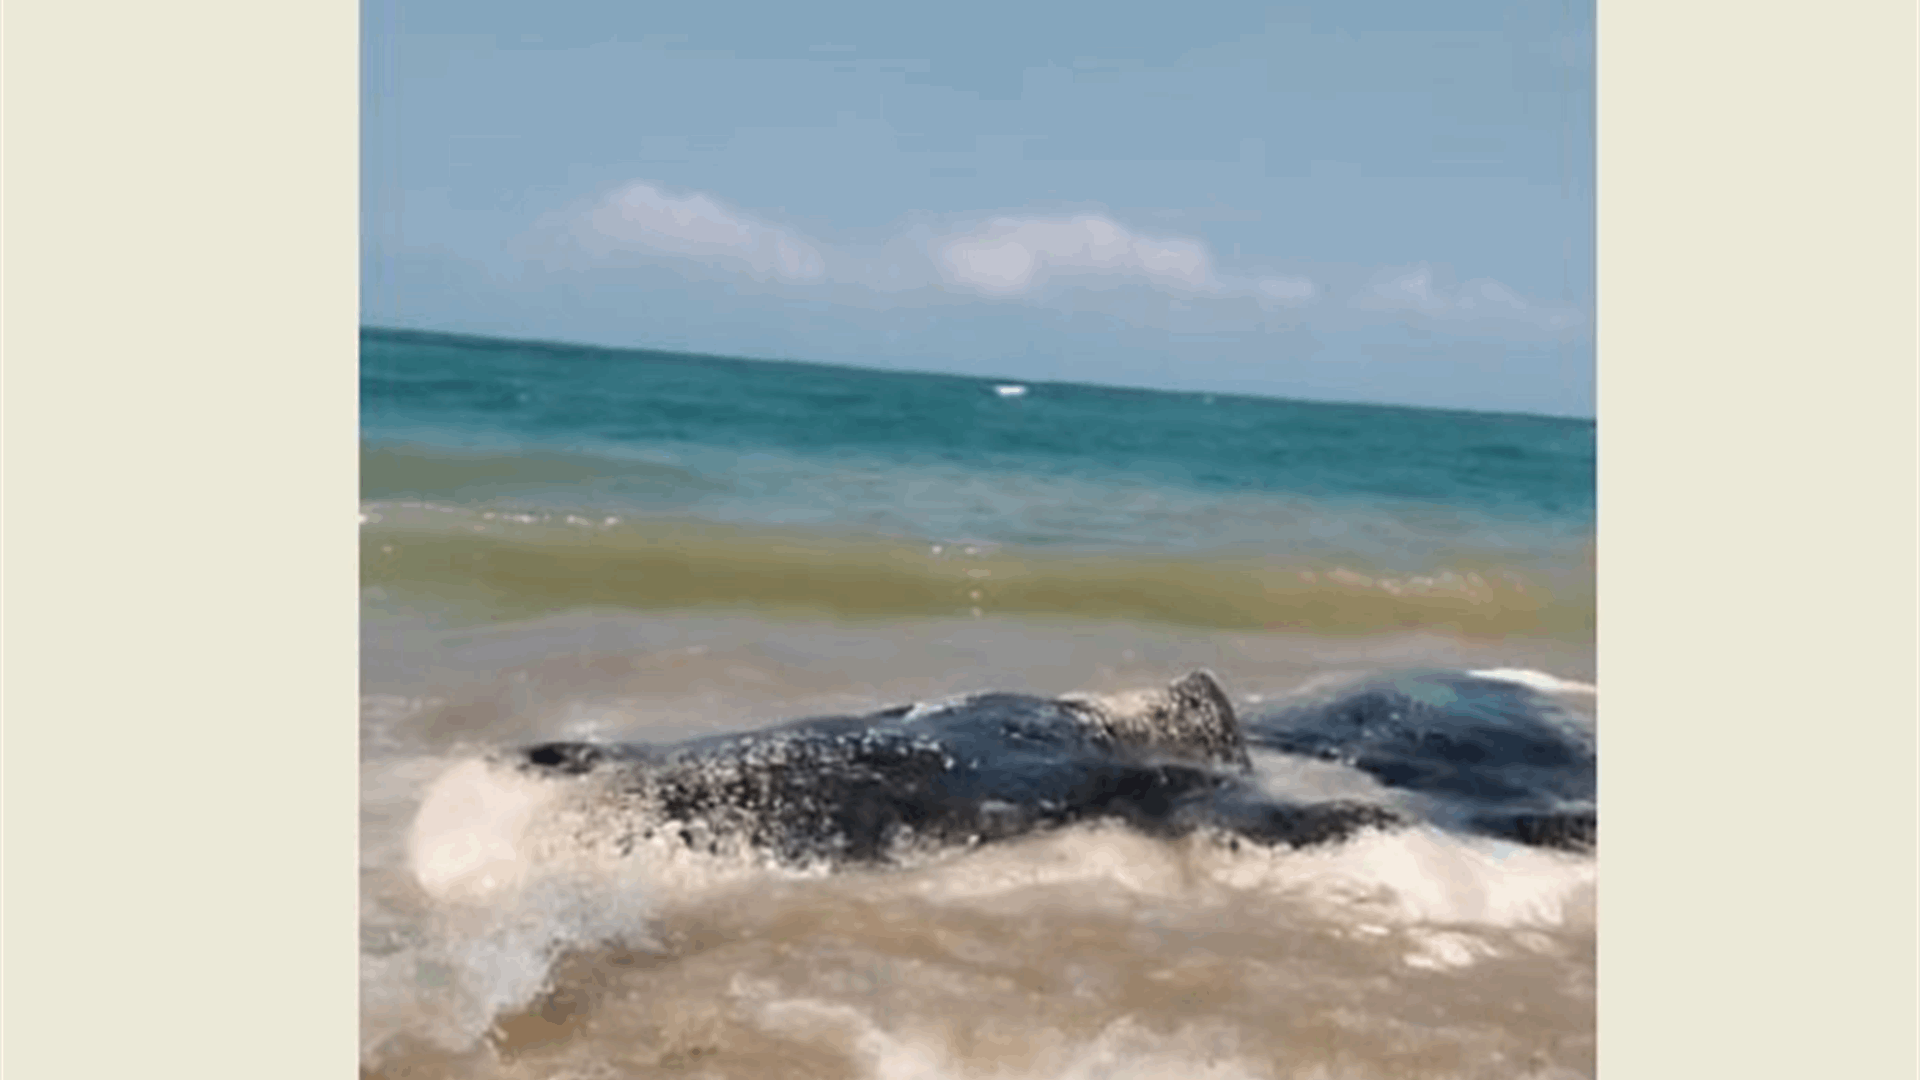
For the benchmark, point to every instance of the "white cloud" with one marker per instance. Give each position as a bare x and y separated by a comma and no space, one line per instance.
1410,288
1060,260
1009,256
1004,257
696,225
1414,290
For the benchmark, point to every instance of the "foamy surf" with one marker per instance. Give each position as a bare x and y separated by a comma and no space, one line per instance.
473,837
1402,879
1424,876
1123,1050
1414,901
1537,680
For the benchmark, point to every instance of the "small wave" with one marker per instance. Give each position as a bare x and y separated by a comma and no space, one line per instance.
505,564
1123,1050
1425,876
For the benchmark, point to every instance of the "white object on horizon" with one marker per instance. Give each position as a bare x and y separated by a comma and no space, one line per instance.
1010,390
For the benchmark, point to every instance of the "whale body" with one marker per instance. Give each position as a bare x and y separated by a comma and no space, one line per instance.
884,788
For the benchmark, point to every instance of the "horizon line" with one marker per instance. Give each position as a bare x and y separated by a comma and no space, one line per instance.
582,346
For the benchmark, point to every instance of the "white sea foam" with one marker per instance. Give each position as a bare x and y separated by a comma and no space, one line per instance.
1537,680
1444,950
471,840
1405,878
1123,1050
1424,876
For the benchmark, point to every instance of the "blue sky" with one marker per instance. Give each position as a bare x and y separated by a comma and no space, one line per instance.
1362,201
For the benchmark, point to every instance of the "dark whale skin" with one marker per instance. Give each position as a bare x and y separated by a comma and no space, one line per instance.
862,790
1494,757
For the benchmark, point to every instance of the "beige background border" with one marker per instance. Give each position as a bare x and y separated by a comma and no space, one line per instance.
179,396
1757,549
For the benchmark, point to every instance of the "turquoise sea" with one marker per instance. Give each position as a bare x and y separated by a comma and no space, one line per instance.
695,481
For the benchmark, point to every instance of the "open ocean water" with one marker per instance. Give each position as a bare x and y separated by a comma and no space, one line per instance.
574,543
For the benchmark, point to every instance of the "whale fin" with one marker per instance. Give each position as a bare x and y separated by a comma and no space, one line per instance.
1189,718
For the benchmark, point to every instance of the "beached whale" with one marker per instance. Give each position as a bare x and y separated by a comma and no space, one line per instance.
889,786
